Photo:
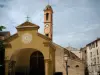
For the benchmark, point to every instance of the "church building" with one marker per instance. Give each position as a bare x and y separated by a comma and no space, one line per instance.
29,52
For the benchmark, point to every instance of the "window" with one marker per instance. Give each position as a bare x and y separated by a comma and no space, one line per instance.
98,60
93,45
90,54
85,51
47,34
90,46
47,16
96,43
97,52
99,67
94,61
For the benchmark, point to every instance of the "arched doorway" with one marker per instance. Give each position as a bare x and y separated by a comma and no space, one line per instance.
37,64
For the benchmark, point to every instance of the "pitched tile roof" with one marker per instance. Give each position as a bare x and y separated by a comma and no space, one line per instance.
27,24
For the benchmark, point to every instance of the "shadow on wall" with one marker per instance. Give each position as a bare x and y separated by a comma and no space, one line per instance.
58,73
22,71
86,71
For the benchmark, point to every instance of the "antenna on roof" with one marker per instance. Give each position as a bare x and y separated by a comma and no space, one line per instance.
69,44
48,2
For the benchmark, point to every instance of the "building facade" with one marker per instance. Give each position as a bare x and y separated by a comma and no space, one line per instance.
93,57
75,65
83,53
75,51
4,35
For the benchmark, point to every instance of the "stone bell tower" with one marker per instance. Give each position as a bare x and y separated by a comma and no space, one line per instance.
48,21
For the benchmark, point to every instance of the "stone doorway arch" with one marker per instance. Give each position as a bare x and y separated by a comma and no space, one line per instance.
23,62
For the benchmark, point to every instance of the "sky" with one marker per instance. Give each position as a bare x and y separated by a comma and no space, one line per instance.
75,22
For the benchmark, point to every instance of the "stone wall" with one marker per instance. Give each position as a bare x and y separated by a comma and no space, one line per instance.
75,65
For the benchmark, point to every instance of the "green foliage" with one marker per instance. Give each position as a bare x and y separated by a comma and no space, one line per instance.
2,27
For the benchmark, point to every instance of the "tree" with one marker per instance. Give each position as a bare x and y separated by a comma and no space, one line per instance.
2,27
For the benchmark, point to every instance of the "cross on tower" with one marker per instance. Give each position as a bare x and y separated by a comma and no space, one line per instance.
27,18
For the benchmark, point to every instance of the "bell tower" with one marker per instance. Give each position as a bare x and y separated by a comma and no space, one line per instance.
48,21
